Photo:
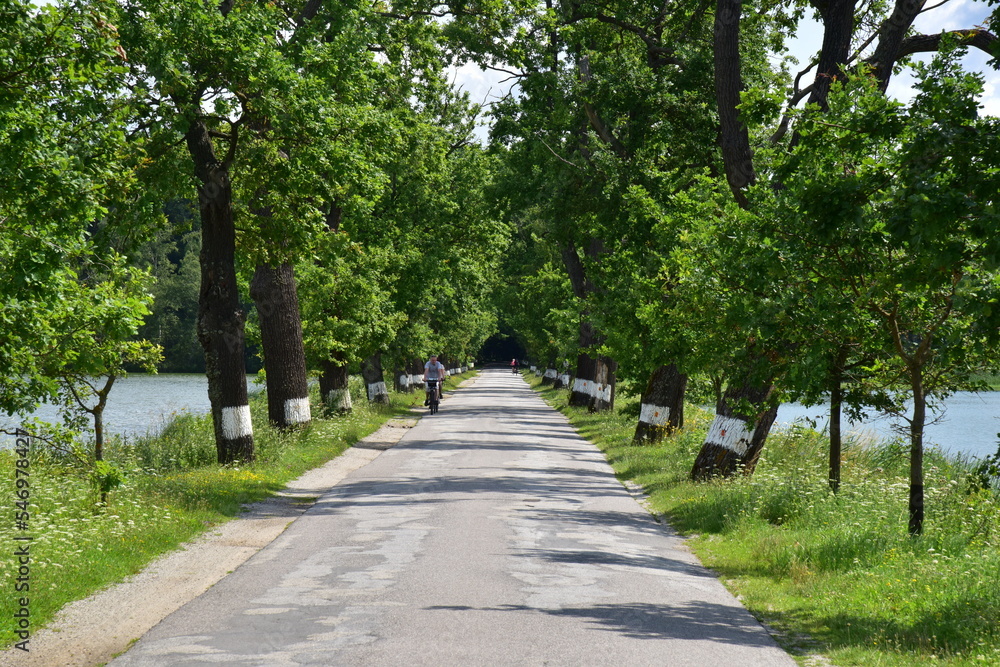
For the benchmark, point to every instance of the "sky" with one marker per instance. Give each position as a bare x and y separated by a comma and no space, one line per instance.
954,15
486,86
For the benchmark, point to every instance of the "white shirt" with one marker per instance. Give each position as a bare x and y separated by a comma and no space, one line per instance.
433,370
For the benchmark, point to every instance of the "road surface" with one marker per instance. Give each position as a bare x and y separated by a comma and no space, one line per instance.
491,534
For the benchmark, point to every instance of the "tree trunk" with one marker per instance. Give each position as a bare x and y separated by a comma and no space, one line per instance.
734,138
836,415
551,375
662,403
594,386
604,385
561,381
371,371
838,31
565,381
416,371
98,413
274,293
586,371
735,439
836,439
402,379
916,524
333,386
891,34
220,315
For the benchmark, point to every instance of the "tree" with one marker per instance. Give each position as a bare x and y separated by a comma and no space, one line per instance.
841,29
62,156
913,243
241,86
96,347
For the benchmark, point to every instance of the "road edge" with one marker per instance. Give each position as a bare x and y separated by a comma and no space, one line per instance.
95,629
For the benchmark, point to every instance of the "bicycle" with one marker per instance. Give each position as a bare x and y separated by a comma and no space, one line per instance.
513,369
432,396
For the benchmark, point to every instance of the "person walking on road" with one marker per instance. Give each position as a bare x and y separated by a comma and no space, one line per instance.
434,370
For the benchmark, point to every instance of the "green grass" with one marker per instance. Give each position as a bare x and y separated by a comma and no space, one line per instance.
991,381
173,491
835,575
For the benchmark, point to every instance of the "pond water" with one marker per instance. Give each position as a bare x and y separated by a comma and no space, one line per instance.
141,404
967,423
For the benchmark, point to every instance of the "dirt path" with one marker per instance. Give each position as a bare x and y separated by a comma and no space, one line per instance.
94,630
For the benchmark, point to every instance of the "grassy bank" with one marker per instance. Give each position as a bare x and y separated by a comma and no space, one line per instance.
173,491
834,575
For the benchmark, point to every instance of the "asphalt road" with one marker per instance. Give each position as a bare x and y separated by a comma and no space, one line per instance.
491,534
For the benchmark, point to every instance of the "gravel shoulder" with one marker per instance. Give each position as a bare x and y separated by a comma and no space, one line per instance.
94,630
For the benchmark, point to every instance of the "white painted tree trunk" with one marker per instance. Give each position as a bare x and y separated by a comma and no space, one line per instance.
653,415
297,411
340,399
730,434
236,422
378,393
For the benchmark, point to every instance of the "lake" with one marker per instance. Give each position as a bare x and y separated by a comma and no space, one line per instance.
141,404
968,424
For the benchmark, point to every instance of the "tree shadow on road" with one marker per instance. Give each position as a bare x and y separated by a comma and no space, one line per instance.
694,621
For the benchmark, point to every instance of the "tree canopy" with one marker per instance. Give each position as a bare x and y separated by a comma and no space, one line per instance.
659,191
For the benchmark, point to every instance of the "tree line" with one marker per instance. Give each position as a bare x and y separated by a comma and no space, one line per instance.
309,164
779,230
663,197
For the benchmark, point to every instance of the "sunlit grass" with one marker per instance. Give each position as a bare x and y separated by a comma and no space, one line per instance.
173,491
837,574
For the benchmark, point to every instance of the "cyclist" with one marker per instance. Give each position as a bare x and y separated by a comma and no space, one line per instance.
513,365
434,370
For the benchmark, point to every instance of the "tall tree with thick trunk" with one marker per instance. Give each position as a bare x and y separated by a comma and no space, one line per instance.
274,292
333,386
220,315
662,405
374,377
594,384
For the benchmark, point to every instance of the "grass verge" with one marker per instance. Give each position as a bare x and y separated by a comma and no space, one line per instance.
173,490
832,575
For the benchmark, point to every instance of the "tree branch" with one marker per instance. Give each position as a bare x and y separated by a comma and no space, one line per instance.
559,157
975,37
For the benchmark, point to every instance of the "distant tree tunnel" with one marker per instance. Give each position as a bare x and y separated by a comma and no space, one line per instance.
502,346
